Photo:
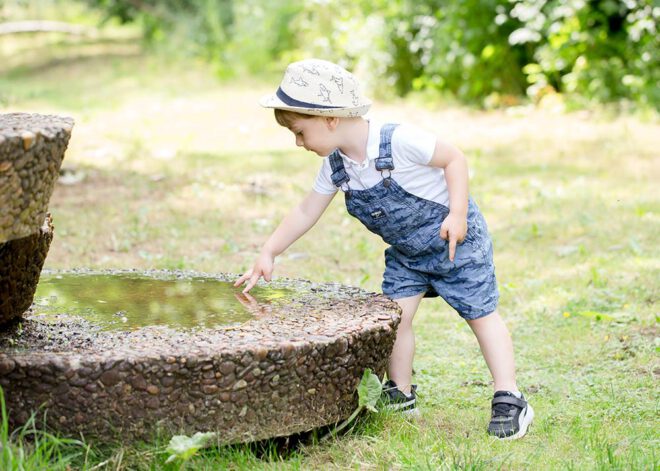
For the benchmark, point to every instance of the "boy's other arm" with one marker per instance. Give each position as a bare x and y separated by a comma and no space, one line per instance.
454,163
292,227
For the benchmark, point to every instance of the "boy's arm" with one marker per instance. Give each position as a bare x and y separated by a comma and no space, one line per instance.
452,160
292,227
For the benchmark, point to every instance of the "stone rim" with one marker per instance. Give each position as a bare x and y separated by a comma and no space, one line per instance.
266,333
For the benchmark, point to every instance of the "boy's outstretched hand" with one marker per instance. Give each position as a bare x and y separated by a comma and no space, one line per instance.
262,267
453,229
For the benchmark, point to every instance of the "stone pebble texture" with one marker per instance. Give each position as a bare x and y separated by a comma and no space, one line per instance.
32,147
21,261
289,371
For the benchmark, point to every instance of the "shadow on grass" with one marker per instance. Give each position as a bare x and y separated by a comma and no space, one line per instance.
290,450
33,446
89,53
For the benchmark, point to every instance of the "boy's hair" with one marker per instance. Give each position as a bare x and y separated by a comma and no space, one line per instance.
286,117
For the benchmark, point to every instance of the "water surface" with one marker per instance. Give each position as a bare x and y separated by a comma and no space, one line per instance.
131,301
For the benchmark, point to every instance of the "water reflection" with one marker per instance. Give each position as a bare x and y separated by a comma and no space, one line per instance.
131,301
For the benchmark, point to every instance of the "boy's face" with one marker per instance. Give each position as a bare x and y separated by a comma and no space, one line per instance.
315,134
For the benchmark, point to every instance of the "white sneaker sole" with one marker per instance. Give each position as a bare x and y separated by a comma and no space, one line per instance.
400,408
412,413
527,420
397,406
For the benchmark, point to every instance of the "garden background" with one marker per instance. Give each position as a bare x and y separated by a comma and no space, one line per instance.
172,164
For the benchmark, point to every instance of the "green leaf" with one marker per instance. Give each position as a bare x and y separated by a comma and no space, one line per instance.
488,51
184,447
369,390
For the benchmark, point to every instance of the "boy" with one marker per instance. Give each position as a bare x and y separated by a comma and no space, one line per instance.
410,188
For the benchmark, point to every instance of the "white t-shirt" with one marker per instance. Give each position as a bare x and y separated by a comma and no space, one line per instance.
412,150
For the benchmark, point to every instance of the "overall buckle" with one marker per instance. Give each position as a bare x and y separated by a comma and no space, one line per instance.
387,180
345,188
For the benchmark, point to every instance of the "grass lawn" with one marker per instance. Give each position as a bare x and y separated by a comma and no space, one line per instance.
168,168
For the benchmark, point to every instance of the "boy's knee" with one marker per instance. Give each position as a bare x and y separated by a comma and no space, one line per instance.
406,321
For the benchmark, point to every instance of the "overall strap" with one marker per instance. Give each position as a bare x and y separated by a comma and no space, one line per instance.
384,160
339,175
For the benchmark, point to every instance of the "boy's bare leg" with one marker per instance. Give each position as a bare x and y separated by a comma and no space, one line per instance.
497,349
399,368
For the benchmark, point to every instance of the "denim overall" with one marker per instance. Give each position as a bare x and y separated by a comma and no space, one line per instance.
417,260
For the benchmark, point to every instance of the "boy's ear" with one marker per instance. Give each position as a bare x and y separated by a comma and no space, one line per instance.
332,122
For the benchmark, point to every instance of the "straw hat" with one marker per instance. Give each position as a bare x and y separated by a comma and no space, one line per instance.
318,87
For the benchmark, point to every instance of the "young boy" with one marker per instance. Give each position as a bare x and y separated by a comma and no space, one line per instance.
410,188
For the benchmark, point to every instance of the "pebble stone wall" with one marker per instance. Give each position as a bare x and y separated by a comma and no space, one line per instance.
31,151
21,261
292,370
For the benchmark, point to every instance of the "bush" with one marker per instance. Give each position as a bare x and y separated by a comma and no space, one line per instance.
601,50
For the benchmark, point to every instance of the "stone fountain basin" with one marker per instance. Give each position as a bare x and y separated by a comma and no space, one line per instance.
292,370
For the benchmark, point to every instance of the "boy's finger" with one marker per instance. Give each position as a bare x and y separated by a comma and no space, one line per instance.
452,248
242,278
253,281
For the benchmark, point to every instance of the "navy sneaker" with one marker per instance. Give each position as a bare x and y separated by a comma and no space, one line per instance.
510,416
394,400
